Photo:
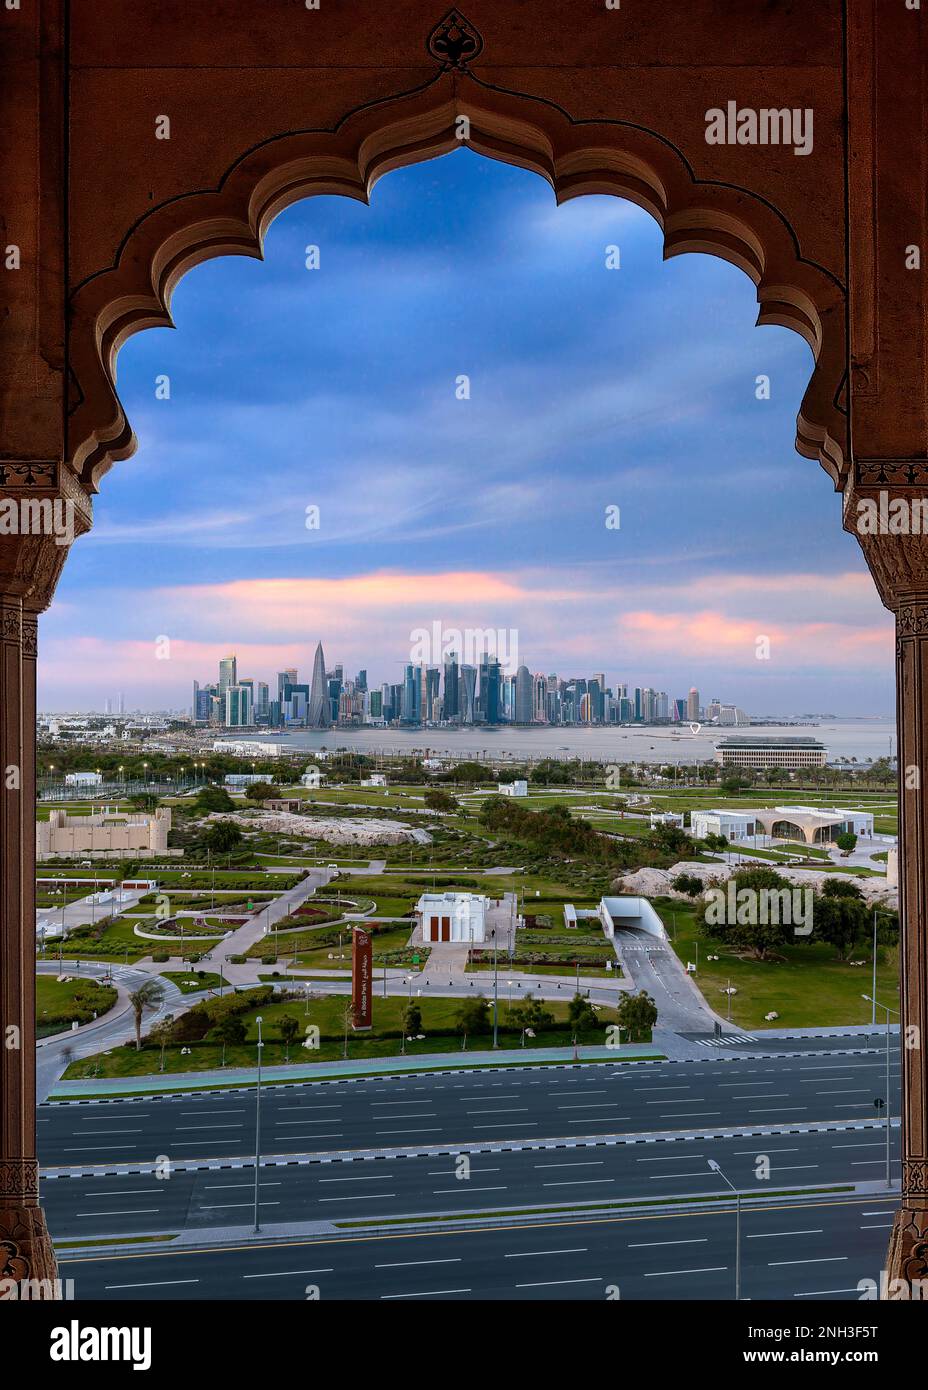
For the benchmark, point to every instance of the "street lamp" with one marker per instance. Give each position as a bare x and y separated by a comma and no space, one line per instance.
876,1003
258,1021
716,1169
876,912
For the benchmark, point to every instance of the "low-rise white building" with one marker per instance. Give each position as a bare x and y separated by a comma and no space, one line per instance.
667,818
452,916
734,825
376,779
83,779
517,788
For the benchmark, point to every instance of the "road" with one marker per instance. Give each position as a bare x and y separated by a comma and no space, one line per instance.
54,1054
363,1189
811,1251
440,1108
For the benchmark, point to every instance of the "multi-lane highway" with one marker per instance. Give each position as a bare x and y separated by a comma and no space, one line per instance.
290,1194
810,1251
463,1107
462,1144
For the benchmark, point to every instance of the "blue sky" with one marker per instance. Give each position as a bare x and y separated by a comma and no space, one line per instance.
589,388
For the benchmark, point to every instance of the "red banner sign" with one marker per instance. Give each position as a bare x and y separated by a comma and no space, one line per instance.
362,972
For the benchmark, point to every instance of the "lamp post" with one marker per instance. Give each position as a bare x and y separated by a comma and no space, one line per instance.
258,1021
876,912
716,1169
876,1003
495,994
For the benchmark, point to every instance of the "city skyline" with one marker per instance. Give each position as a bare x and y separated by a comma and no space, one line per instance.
443,692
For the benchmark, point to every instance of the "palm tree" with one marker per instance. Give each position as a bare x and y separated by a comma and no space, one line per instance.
148,996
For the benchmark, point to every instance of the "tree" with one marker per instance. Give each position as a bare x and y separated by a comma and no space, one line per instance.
842,888
437,800
846,842
637,1013
288,1027
690,884
748,930
143,801
473,1016
842,920
531,1013
412,1020
230,1030
213,799
581,1014
258,791
148,996
715,842
670,838
222,836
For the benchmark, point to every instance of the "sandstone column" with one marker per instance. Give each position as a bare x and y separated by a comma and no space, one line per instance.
887,173
44,504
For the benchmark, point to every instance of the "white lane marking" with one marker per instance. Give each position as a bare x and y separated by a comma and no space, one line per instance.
129,1211
768,1235
651,1244
152,1284
819,1260
529,1254
408,1264
554,1283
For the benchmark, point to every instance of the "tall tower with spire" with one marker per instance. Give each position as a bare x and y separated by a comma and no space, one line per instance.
318,716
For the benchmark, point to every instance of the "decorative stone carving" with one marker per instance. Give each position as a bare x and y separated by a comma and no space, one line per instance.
26,1251
607,156
52,509
19,1180
454,42
897,473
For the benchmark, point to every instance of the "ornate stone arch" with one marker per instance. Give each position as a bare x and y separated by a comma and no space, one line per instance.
576,158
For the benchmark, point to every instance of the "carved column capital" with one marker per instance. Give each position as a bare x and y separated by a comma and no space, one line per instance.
43,509
890,522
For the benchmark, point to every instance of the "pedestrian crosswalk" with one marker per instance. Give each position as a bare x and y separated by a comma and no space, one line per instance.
726,1040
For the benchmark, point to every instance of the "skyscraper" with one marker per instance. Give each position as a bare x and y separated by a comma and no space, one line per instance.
451,706
468,689
228,675
524,688
692,704
319,712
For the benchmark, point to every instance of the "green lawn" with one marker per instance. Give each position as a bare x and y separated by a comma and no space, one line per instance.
439,1027
58,1004
192,981
811,987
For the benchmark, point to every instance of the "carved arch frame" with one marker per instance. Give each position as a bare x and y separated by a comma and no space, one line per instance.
575,157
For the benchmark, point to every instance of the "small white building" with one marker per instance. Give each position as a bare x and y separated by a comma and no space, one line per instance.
667,818
734,825
312,777
376,779
83,779
452,916
517,788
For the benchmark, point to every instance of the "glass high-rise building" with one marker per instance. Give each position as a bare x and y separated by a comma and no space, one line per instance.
319,712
